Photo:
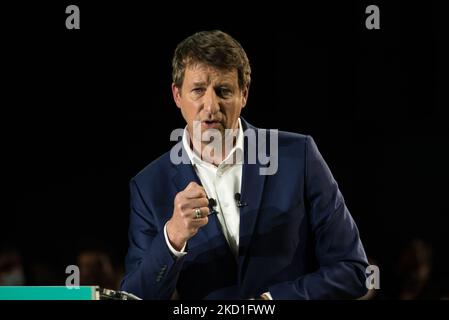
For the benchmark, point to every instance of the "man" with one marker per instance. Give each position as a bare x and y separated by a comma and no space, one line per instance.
215,226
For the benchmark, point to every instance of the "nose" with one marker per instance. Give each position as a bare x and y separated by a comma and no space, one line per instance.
211,101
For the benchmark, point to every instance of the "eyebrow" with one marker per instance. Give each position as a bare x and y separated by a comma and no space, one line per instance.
203,83
200,84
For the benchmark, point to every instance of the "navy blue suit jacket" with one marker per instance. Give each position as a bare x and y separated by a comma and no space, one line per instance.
297,238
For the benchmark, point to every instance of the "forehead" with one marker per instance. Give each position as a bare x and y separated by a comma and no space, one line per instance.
207,74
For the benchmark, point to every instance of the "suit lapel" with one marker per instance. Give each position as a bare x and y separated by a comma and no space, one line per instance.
251,194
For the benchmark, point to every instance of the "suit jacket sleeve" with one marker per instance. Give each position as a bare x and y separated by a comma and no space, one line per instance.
151,270
338,249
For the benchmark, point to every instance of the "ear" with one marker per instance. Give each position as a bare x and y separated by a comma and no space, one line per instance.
176,94
245,92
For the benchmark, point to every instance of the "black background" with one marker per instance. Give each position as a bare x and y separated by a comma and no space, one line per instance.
84,110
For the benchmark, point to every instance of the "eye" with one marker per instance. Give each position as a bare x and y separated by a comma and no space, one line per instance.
198,90
224,92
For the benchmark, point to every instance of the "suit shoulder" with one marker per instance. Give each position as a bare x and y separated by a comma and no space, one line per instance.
156,168
289,140
292,137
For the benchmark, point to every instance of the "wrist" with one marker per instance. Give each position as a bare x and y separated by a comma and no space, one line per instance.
176,242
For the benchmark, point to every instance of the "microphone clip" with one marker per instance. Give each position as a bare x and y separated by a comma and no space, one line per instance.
240,204
212,205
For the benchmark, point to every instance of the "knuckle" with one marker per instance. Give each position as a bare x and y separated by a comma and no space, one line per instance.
191,185
179,196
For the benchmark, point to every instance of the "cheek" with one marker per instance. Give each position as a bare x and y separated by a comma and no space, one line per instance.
190,110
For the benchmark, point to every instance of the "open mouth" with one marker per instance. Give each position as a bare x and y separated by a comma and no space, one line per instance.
211,124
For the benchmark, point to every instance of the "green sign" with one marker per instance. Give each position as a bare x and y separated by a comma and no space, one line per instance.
49,293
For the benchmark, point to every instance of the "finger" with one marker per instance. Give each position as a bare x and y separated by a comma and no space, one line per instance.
196,203
196,192
200,222
192,184
204,212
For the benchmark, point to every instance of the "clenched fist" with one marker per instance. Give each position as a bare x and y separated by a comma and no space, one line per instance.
184,223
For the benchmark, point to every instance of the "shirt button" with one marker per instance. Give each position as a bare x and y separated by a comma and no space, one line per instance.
225,204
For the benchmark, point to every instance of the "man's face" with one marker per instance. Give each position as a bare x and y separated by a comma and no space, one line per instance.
210,96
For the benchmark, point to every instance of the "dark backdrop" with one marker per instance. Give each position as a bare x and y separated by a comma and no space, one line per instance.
83,111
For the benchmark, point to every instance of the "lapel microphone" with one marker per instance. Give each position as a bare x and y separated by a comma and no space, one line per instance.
240,204
212,205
